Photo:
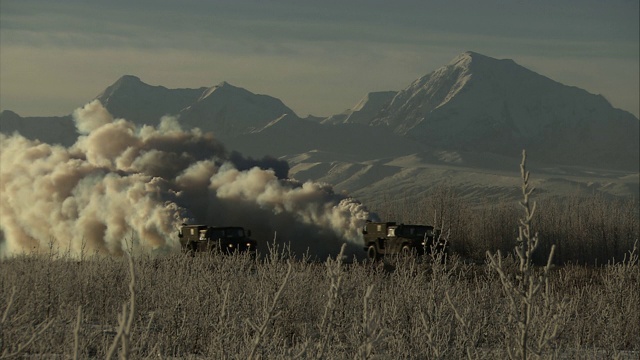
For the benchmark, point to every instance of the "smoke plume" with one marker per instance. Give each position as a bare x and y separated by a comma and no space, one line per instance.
122,187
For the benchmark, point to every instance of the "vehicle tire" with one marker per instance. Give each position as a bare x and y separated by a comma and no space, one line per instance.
372,253
406,250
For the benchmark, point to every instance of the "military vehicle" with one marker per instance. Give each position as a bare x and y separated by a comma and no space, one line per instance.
386,238
226,239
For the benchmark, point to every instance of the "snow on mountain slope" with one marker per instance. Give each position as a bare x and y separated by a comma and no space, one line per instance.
230,110
478,103
366,109
224,108
481,178
473,86
290,135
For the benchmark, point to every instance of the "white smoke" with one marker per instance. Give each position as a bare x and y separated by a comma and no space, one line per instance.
121,186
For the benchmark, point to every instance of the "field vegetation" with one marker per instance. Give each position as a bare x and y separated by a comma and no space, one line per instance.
558,280
593,229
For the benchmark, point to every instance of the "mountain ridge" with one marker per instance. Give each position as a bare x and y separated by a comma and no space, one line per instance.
229,110
473,115
478,103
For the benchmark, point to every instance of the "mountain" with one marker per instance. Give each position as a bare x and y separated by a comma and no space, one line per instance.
365,110
289,135
228,110
53,130
478,103
132,99
224,109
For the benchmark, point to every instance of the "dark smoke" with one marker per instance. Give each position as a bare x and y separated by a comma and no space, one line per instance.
279,167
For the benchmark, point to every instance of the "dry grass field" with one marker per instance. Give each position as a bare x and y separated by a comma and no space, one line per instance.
499,294
216,307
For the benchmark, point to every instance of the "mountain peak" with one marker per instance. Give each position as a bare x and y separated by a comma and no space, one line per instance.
128,81
475,55
132,99
480,103
223,88
475,61
126,84
6,114
130,78
468,56
230,110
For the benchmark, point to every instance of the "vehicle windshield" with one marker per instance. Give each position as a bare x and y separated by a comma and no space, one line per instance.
215,233
414,230
234,232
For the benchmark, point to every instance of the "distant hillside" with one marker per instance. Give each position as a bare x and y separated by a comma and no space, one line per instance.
289,135
52,130
365,110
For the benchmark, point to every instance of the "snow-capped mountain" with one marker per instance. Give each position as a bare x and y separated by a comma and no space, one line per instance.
478,103
224,109
464,124
229,110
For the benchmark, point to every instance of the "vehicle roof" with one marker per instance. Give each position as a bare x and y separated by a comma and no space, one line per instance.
193,225
211,227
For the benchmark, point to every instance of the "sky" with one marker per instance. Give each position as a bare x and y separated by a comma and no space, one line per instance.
318,57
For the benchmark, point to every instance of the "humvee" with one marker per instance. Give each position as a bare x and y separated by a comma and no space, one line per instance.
386,238
226,239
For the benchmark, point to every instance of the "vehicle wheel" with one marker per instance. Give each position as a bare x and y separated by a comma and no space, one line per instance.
406,250
372,253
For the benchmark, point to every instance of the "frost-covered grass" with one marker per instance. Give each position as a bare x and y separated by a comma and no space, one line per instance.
211,306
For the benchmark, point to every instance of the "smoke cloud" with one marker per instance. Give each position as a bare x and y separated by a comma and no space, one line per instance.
123,187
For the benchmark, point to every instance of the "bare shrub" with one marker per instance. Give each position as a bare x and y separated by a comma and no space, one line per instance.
531,326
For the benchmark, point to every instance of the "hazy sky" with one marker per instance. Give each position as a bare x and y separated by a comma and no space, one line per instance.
318,57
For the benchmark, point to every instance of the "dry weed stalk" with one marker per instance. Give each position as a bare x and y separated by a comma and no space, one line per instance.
334,271
269,315
76,334
125,319
523,287
467,328
371,327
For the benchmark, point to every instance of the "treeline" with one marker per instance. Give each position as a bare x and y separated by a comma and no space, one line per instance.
585,229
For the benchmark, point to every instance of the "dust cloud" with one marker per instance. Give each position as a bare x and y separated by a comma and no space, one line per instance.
121,187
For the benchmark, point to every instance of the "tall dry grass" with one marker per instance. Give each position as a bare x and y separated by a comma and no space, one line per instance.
211,306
